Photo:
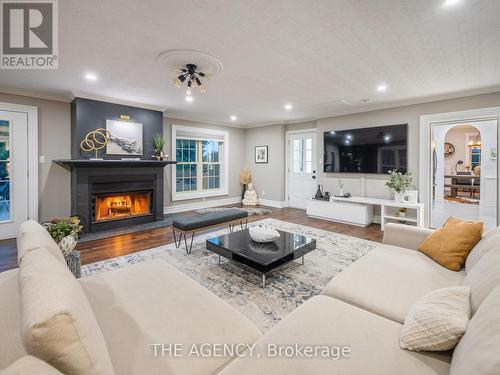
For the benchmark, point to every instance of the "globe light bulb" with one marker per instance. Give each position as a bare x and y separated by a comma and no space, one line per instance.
177,83
188,91
203,89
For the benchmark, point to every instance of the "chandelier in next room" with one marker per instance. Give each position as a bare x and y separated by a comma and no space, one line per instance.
192,76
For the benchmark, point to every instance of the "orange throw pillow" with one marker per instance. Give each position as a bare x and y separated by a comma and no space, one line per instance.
450,245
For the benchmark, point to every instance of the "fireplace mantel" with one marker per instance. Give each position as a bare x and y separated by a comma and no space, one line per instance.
69,164
93,179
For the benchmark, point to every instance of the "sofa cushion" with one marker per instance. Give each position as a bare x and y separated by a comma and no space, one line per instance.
389,280
32,236
324,321
192,222
490,239
11,344
477,351
450,245
483,277
153,303
30,365
58,324
438,320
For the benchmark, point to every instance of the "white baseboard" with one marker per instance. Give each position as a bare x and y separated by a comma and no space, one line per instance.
272,203
200,205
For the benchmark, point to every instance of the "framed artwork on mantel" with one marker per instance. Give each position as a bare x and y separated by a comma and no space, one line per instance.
261,154
126,138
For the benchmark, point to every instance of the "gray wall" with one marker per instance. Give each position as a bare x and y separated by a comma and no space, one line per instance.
374,185
54,139
236,159
269,179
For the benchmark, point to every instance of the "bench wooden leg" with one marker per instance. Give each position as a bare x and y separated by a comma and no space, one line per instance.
246,224
231,227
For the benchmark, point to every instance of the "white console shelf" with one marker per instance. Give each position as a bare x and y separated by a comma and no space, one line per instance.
359,211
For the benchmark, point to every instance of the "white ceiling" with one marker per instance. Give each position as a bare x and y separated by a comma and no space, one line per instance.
324,56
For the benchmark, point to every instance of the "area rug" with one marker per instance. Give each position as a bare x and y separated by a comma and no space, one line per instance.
286,288
252,211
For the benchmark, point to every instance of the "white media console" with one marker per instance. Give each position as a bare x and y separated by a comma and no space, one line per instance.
359,211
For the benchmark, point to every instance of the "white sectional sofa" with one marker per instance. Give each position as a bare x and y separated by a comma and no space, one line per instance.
362,308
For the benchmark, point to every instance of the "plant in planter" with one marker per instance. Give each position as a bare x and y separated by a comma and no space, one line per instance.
65,231
399,182
159,145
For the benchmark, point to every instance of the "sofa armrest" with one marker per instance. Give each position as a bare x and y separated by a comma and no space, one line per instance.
406,236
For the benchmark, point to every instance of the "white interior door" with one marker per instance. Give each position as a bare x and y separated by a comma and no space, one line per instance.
302,168
13,171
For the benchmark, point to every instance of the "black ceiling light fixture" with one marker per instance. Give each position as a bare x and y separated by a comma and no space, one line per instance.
191,74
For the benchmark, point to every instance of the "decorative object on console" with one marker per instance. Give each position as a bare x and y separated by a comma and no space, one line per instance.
398,183
159,145
459,166
250,197
410,196
449,149
262,234
245,178
261,154
319,193
341,185
126,138
94,141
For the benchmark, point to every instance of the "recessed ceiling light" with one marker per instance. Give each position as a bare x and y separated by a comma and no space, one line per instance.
448,3
90,76
382,88
288,106
189,98
233,118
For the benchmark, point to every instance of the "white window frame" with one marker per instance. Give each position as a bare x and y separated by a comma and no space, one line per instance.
209,135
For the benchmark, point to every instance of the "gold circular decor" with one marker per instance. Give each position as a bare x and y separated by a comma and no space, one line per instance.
449,149
95,140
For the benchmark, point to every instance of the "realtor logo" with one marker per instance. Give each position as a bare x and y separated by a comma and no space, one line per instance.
29,34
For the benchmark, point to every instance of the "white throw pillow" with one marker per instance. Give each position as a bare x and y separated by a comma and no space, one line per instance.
437,321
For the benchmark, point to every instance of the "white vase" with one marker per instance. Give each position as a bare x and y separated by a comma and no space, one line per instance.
67,245
398,197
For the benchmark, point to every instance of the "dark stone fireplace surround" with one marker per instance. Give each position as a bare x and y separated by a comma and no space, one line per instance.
89,177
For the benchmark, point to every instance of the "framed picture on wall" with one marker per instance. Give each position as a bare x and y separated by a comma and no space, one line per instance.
261,154
126,138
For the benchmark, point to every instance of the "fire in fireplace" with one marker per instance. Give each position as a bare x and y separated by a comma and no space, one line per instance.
121,205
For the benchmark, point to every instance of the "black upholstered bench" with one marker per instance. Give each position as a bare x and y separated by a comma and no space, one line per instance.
189,224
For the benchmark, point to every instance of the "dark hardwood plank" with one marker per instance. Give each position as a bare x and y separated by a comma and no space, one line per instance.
93,251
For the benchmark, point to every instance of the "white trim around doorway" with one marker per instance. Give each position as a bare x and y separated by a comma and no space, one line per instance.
32,113
287,157
425,170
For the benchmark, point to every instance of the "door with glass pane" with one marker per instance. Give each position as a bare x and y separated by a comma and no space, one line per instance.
13,171
302,169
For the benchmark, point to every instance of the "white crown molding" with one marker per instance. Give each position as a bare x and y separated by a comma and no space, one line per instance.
36,94
182,117
199,205
106,99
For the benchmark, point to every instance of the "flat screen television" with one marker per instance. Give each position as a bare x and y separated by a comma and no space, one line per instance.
367,150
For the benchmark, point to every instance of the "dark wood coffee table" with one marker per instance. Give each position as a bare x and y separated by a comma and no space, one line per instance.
261,258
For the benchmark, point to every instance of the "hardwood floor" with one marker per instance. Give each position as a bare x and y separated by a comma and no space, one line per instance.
93,251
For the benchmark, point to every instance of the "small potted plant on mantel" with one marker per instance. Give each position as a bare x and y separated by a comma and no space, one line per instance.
159,145
399,182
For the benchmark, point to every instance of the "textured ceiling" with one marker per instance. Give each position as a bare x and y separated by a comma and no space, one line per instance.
324,56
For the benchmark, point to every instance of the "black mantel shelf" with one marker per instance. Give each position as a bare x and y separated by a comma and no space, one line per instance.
70,164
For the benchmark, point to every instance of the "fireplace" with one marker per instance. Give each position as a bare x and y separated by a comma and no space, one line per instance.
118,206
109,194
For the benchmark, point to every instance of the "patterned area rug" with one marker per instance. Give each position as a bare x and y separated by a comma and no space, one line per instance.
286,288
